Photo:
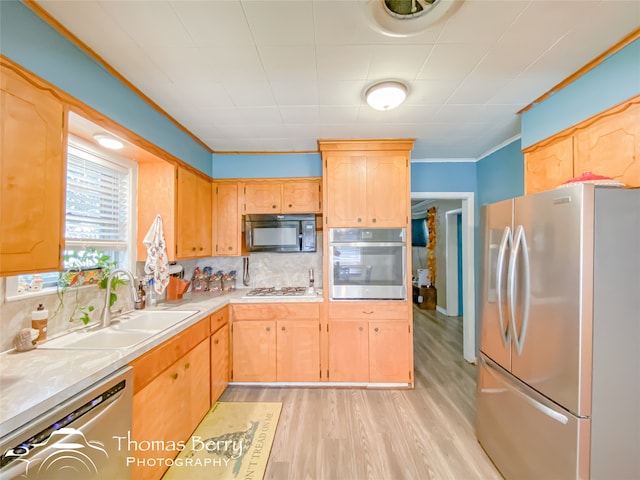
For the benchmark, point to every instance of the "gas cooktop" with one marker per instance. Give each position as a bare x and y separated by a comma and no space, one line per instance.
273,292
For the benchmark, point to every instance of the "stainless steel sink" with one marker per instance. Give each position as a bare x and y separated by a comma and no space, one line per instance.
125,332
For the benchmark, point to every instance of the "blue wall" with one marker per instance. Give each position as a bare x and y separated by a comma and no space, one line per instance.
443,177
612,82
501,174
267,166
29,41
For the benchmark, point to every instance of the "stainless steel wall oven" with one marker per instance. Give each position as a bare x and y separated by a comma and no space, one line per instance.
367,264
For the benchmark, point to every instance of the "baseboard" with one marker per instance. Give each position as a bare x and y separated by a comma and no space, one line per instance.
441,310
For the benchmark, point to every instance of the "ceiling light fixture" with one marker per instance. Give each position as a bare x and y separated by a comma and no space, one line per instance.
386,95
108,141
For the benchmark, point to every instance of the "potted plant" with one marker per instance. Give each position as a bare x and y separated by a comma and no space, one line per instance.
86,267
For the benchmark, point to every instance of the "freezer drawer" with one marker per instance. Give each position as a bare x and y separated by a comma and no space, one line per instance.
526,435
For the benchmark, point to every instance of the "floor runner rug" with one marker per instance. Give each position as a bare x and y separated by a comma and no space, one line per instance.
232,442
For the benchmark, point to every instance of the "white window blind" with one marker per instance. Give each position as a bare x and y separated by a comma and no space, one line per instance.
97,205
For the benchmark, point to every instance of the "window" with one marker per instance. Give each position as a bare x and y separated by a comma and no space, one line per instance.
99,213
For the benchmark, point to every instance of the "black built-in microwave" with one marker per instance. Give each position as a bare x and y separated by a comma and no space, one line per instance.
280,233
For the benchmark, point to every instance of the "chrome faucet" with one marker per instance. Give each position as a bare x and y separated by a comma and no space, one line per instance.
105,321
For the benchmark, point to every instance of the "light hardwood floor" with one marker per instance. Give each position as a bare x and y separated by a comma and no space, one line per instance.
358,434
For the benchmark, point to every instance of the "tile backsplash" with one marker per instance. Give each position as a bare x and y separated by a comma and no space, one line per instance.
265,270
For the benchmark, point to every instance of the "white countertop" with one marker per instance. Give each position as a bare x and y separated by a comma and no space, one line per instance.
33,382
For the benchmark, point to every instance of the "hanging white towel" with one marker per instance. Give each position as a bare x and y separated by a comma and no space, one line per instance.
157,263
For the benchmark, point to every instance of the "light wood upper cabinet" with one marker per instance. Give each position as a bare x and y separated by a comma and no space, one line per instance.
366,183
193,230
607,144
611,147
262,197
227,227
549,166
32,172
290,195
302,196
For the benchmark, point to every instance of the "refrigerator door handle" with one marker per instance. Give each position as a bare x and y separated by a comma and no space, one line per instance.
506,242
541,407
519,243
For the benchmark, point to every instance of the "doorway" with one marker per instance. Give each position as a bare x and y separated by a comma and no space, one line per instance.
467,264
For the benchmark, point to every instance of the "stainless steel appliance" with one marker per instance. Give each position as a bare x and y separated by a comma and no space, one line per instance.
367,264
558,381
276,292
77,439
280,233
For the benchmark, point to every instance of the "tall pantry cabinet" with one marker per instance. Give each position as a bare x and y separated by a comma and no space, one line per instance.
367,185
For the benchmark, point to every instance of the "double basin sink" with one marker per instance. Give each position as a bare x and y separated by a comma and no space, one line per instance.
125,331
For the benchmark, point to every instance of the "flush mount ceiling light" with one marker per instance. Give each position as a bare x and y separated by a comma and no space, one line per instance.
108,141
386,95
405,18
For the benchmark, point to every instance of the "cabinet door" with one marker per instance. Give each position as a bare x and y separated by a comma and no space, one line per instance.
226,220
263,197
611,147
154,419
203,210
187,218
298,351
219,362
254,351
196,366
302,196
549,166
387,191
32,172
348,352
389,352
346,191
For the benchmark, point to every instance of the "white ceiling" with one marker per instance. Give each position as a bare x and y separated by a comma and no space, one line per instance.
262,75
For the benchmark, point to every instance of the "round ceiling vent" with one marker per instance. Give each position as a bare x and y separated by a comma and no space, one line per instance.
404,18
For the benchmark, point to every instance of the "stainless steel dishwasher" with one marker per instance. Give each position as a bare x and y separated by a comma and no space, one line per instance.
82,438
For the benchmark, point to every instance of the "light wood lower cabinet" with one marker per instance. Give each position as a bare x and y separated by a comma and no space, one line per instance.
276,343
370,342
171,395
219,323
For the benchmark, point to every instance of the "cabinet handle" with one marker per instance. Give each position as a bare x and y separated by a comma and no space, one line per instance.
193,249
290,205
268,329
175,376
359,219
273,206
230,248
187,365
283,329
376,329
360,329
216,341
201,248
367,313
373,220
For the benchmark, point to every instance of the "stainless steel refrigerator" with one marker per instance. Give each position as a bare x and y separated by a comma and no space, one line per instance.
558,393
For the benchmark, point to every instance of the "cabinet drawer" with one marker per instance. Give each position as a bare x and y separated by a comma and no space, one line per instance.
219,318
152,363
272,311
369,311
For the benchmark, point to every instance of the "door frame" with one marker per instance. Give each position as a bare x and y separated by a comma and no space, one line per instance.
468,262
451,256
